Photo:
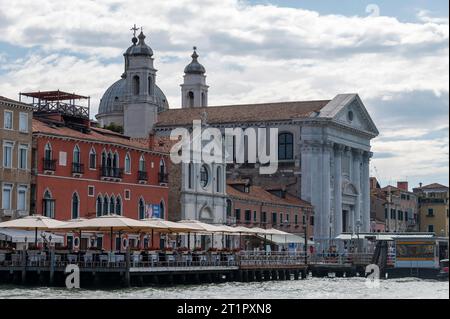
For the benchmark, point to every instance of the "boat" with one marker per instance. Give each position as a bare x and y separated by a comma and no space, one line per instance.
443,273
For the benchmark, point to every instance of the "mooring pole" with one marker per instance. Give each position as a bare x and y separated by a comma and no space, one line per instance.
24,265
127,265
52,265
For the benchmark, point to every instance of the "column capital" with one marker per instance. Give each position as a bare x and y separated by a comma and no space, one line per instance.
357,152
339,147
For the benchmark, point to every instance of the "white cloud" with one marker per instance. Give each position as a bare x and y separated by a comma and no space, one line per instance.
252,53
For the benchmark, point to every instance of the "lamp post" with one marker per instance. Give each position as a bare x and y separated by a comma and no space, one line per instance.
358,225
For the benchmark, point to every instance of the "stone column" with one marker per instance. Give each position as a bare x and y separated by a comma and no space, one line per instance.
338,189
356,178
366,193
326,192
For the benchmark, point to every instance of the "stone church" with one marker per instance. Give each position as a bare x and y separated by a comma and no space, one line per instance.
323,145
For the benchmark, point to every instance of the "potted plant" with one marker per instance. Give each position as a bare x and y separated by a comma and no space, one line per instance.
182,249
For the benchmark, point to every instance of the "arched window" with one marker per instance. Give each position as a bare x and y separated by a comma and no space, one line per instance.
142,163
75,206
190,175
76,155
204,176
112,203
99,205
136,84
105,205
92,159
190,97
162,166
161,210
48,152
127,164
116,160
48,205
219,180
118,206
203,99
285,146
141,209
150,86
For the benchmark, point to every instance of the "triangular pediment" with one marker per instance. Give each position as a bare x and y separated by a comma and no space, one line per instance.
349,110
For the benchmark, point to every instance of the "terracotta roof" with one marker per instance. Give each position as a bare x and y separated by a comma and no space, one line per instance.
11,101
257,193
432,186
241,113
394,188
95,135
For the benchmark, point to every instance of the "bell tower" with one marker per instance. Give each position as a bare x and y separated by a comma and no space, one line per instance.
140,105
194,91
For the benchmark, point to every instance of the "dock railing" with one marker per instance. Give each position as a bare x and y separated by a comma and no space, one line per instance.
187,259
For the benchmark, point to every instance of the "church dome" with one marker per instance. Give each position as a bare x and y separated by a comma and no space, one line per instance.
194,67
139,48
112,100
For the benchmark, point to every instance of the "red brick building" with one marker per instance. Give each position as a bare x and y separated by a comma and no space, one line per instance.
254,206
81,171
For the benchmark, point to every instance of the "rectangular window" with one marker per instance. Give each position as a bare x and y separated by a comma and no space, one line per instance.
400,215
22,198
311,219
304,219
296,219
264,217
431,228
6,196
254,216
23,156
8,120
91,191
274,218
127,194
287,218
281,218
392,213
430,212
406,216
23,122
386,213
237,211
7,154
248,215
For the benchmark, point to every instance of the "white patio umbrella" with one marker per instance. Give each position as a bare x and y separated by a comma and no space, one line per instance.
208,228
111,223
173,227
33,222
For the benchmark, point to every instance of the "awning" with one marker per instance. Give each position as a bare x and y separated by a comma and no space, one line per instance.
286,239
18,236
383,236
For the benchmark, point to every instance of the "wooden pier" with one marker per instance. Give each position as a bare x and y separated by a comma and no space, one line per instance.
182,269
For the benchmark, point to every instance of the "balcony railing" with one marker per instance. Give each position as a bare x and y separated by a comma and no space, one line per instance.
49,165
163,177
77,168
112,172
142,176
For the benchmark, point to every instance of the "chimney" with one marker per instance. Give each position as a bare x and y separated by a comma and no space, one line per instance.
420,184
402,185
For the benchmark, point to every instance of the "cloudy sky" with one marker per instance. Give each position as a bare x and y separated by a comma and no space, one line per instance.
393,53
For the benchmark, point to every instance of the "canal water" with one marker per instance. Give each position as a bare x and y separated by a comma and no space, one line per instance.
318,288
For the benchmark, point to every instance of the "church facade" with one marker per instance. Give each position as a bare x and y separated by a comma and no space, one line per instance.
323,146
